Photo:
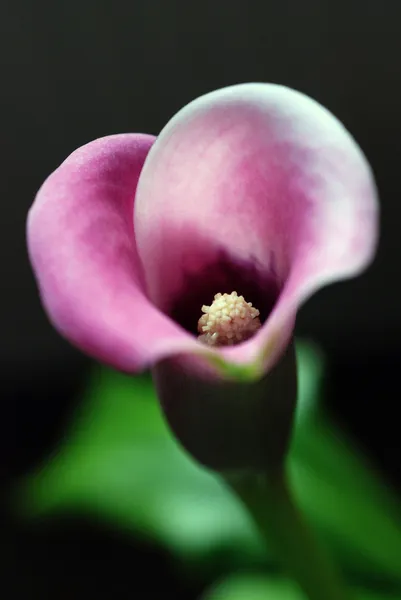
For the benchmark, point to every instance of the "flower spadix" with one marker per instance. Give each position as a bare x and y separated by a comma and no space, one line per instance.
228,321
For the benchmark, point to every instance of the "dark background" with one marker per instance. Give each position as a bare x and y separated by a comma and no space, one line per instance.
77,70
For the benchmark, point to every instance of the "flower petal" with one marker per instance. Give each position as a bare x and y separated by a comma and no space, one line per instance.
268,178
81,245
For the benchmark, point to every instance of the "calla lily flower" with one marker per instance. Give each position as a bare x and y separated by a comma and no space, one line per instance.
254,188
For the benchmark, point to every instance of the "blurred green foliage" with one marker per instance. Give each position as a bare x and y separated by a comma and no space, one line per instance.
119,462
258,587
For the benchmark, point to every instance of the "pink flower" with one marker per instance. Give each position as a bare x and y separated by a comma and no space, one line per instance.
254,188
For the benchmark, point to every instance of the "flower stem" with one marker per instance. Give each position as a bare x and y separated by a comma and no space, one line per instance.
272,507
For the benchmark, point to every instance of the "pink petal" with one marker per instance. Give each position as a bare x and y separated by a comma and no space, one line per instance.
81,245
253,179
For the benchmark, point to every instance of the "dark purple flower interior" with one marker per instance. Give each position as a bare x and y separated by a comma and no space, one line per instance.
224,275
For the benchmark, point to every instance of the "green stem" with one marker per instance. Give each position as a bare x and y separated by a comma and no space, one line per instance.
270,503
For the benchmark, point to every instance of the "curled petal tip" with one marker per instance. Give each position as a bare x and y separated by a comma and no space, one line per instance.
258,188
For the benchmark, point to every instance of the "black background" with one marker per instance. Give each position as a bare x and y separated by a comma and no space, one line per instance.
77,70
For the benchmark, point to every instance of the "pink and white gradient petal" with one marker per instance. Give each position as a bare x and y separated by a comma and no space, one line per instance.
270,178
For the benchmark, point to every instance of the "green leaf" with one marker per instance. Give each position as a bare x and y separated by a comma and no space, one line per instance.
260,587
341,492
343,495
254,587
120,462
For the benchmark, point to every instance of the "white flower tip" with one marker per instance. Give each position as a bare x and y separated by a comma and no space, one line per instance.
228,320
